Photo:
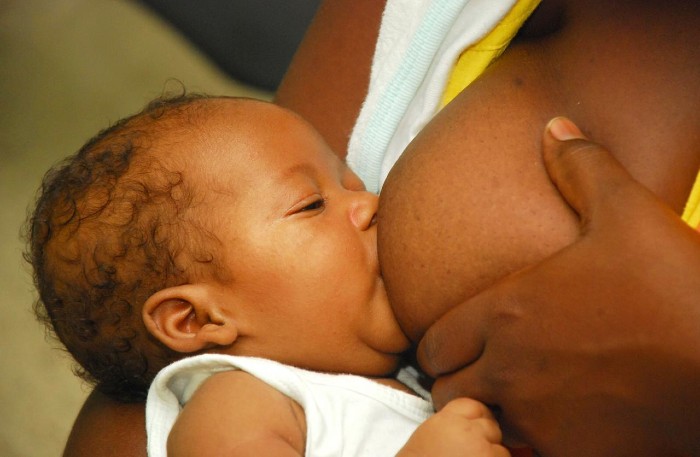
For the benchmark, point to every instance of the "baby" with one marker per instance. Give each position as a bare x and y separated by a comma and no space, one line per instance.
228,227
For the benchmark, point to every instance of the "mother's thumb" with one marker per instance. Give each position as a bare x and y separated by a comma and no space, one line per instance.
585,173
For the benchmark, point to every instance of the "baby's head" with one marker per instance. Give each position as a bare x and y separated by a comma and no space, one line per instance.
209,224
110,228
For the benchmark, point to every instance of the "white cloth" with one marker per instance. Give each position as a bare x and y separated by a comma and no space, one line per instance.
418,45
346,415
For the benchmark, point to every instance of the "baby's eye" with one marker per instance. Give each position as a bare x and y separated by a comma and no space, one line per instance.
314,206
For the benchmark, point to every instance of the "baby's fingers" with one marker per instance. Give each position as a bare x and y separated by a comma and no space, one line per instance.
474,417
467,408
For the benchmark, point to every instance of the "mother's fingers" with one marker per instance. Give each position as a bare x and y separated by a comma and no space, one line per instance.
453,341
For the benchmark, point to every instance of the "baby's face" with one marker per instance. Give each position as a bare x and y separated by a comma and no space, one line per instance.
298,235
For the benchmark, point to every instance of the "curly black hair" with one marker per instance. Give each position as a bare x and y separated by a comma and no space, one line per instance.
108,231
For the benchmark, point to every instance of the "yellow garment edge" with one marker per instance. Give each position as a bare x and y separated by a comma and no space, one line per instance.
691,214
475,59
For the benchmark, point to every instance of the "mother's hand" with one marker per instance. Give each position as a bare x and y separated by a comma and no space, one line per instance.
596,350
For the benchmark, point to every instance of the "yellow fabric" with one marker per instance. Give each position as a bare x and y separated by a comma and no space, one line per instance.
692,208
474,60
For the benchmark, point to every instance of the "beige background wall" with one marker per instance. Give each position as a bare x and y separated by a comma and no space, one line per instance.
67,69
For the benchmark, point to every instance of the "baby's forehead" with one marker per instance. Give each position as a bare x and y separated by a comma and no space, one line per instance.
216,132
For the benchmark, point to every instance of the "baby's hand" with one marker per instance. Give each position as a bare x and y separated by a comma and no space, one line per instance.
464,427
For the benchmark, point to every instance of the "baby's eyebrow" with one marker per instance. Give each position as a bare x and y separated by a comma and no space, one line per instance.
305,168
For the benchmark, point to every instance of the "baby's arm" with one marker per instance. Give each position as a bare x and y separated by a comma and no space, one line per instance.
236,414
464,428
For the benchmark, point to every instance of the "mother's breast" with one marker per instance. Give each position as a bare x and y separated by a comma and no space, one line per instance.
470,201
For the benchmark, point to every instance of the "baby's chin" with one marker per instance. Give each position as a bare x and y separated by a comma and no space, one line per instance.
390,364
394,339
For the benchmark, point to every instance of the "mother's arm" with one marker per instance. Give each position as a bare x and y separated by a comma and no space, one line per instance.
328,77
107,428
326,83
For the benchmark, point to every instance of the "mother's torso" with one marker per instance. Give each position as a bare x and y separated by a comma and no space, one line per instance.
470,201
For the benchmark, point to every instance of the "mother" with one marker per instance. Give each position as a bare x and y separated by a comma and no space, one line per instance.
607,361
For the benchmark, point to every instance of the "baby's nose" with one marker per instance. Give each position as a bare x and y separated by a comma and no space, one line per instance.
363,212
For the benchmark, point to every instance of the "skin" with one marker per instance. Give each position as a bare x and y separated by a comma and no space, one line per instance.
347,25
108,428
488,169
297,281
295,235
613,342
267,423
490,166
631,85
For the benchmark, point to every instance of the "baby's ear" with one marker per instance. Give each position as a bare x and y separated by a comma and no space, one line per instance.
187,318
